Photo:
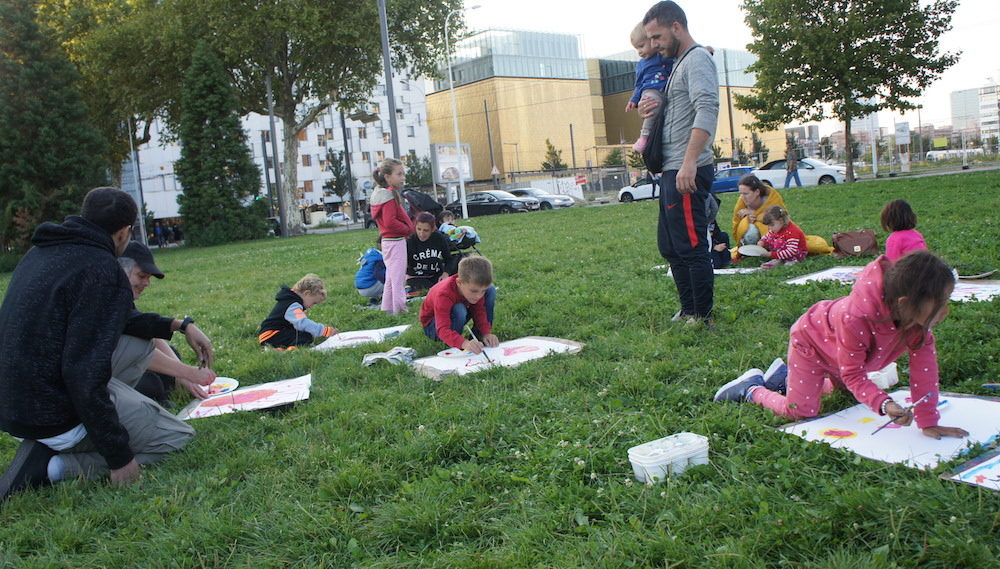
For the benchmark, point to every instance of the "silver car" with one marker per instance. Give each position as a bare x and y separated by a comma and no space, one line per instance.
546,200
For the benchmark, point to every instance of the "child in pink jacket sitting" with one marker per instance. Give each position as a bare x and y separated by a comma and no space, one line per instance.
891,309
899,219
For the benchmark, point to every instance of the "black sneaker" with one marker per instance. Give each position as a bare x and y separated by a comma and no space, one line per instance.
29,469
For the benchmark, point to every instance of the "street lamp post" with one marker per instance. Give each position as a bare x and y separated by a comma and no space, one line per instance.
454,113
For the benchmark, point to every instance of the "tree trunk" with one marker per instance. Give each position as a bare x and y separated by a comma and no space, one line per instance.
290,174
850,150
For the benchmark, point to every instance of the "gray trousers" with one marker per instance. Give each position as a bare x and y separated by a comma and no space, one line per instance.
153,432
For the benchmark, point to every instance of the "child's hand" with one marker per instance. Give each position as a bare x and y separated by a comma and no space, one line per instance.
630,106
491,340
473,346
899,415
720,247
939,431
329,331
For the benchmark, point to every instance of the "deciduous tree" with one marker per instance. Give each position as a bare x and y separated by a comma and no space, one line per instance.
315,53
842,58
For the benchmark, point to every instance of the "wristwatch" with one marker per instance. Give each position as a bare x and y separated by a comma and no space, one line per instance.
184,324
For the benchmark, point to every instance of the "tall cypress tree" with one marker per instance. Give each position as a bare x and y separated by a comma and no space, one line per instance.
50,153
216,171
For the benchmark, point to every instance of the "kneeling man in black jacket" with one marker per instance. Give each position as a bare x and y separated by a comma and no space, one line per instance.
61,318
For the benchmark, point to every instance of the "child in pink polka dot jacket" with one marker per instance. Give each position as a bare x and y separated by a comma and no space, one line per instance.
891,309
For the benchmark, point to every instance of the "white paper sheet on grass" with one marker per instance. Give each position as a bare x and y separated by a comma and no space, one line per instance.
250,398
358,337
507,354
725,271
964,290
981,471
852,429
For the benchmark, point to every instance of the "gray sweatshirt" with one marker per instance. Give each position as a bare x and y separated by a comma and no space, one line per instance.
692,102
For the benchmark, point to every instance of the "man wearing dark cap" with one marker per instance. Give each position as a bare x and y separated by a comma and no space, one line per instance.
165,366
62,316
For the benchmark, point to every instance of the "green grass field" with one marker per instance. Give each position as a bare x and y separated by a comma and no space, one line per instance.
527,467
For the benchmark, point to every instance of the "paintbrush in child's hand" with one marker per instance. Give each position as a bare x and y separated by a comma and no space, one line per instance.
473,334
905,411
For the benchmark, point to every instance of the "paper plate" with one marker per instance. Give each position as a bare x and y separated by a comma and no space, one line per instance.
753,251
455,353
222,385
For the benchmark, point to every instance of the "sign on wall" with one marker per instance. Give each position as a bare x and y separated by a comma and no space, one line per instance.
448,166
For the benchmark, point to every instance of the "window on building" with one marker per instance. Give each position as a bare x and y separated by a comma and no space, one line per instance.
329,134
267,135
303,135
420,120
307,185
366,157
321,139
322,165
411,131
306,160
387,137
399,113
380,156
375,108
362,132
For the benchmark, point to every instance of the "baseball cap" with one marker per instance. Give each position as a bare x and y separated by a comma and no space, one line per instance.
142,257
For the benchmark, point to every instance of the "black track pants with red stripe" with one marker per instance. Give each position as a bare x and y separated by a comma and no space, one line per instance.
683,238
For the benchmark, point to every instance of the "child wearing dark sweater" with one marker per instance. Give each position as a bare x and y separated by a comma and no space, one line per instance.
287,325
428,254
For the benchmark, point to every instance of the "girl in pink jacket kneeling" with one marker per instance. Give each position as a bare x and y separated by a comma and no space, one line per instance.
891,309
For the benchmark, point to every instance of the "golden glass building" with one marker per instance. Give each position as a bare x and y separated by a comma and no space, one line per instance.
516,89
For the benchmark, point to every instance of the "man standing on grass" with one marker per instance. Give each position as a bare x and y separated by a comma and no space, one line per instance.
691,112
62,317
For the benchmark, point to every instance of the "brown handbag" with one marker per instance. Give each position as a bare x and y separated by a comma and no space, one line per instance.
855,243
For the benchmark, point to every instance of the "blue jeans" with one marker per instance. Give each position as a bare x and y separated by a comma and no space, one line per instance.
460,316
793,174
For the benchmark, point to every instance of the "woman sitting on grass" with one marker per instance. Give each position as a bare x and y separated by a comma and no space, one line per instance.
756,197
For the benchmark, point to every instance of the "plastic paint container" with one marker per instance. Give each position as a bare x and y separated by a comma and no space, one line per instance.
669,456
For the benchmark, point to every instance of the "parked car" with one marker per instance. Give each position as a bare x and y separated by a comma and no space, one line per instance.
727,179
812,172
493,201
547,200
644,189
338,218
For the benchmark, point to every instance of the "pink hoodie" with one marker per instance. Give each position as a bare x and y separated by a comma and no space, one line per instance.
854,335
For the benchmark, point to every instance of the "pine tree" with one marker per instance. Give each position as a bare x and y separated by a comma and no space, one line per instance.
339,184
215,170
553,157
419,172
50,153
615,158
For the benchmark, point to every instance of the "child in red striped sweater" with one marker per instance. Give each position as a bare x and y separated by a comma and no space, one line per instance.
785,241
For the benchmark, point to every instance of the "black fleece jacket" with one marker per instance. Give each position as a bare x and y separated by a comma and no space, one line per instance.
59,323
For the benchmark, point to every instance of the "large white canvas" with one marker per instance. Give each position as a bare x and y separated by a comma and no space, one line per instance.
358,337
250,398
964,290
981,471
852,429
725,271
507,354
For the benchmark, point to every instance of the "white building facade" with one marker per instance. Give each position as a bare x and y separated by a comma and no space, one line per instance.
367,144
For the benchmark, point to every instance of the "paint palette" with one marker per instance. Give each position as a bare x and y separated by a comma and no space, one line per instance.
222,385
753,251
455,353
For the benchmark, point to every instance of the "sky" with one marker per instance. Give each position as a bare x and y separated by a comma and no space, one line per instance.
603,28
